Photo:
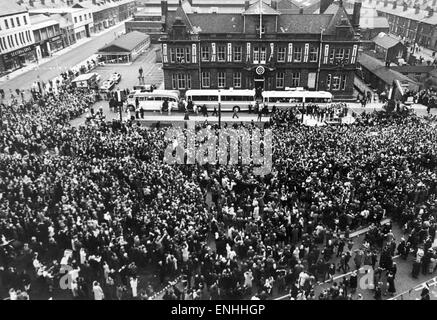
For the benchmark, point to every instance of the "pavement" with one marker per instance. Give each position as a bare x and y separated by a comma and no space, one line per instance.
60,61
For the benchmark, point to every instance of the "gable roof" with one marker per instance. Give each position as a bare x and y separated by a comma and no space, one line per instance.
256,9
333,8
8,7
386,41
126,42
415,69
338,19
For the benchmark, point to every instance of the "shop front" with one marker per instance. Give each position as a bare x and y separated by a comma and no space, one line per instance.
56,43
18,58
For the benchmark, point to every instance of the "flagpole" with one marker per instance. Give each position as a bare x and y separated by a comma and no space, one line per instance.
260,19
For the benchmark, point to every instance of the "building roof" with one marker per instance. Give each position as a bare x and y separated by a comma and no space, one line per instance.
257,8
374,23
415,69
126,42
386,41
8,7
40,21
410,13
217,23
303,23
234,23
333,8
378,68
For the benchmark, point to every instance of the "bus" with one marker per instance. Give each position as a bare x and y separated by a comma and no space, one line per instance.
152,101
293,98
231,99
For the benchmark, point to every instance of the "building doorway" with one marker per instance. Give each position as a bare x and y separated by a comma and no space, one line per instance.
259,88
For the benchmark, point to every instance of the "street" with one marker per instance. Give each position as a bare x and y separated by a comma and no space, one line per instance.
59,64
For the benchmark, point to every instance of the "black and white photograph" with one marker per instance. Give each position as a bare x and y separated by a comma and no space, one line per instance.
194,151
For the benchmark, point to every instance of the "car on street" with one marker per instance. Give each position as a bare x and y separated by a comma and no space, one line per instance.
107,85
116,77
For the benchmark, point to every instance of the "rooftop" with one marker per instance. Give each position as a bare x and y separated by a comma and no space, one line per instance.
40,21
8,7
386,41
378,68
126,42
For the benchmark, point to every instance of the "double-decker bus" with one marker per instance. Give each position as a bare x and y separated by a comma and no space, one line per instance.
230,99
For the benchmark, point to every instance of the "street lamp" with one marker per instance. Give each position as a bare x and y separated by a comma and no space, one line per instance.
320,58
220,108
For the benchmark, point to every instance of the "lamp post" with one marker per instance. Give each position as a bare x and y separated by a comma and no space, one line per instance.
220,108
320,58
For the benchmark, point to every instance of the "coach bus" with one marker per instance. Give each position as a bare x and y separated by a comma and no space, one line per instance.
152,101
230,99
293,98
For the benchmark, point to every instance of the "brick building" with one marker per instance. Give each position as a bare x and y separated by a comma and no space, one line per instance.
262,48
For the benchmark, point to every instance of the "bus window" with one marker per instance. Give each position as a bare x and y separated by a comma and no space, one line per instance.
159,98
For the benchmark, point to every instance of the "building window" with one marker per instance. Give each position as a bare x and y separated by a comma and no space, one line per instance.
221,79
75,19
18,21
281,54
263,30
172,55
221,53
295,79
237,79
263,56
343,82
180,55
182,81
28,36
238,52
280,80
188,81
206,79
347,55
6,24
328,82
204,53
313,54
339,54
255,55
80,18
336,83
331,56
174,81
187,55
25,19
12,23
297,56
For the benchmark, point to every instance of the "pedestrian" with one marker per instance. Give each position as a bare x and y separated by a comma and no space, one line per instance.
98,292
235,115
260,114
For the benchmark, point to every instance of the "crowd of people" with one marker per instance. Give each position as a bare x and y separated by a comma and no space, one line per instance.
98,205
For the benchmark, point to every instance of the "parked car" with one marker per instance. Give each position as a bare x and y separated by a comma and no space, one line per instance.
116,77
107,85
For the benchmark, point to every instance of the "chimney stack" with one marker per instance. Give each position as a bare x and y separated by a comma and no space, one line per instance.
43,2
417,7
246,4
164,10
405,6
300,10
430,12
324,4
434,3
356,14
395,4
274,4
385,3
31,3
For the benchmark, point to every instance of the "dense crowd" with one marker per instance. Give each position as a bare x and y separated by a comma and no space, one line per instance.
98,204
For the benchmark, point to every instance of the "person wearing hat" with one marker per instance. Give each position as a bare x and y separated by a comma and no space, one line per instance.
98,292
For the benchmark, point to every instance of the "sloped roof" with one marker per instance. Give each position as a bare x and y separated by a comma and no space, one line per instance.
373,22
303,23
339,17
217,23
256,9
126,42
8,7
287,5
410,13
415,69
333,8
386,41
379,69
40,21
